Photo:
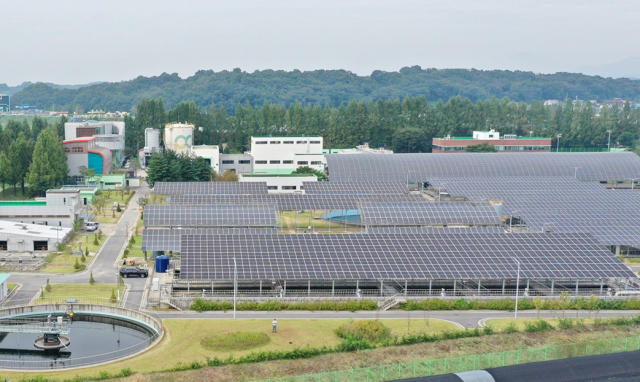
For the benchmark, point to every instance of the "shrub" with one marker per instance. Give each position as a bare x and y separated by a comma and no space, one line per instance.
368,330
92,281
48,286
83,258
95,240
537,326
113,297
487,330
77,264
565,323
511,328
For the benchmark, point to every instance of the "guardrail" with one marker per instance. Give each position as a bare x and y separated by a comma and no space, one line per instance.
96,305
471,362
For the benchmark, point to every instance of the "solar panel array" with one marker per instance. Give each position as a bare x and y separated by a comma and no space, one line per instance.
418,167
442,213
558,204
207,188
396,257
355,188
289,202
219,215
427,230
169,239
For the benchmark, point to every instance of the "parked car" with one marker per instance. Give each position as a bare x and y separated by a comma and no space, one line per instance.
133,271
92,226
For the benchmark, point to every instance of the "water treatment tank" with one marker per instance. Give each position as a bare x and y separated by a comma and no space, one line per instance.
162,264
152,139
178,137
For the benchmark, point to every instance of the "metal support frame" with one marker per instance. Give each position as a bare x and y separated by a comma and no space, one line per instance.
601,286
454,286
309,288
405,287
333,288
260,288
577,283
479,286
504,281
381,287
284,290
552,282
430,282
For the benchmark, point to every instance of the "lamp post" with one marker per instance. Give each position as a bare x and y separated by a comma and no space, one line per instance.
609,141
517,287
575,173
558,143
235,285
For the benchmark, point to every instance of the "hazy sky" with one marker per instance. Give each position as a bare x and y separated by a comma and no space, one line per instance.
81,41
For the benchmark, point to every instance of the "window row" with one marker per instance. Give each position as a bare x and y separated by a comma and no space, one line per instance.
242,161
287,142
299,163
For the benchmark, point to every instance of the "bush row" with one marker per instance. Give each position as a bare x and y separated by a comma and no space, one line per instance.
103,375
564,303
201,305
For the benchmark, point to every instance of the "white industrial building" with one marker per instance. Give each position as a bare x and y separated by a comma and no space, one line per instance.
238,163
211,155
282,155
280,183
21,237
60,208
151,146
109,134
178,137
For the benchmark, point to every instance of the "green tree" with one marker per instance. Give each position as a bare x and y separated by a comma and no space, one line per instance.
5,172
483,147
20,153
92,281
308,170
49,164
409,140
48,286
626,139
228,176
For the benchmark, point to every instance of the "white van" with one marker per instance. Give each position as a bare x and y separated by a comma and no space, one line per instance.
92,226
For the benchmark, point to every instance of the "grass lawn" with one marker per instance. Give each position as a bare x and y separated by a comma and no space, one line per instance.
87,241
500,323
82,290
136,250
10,287
107,217
306,219
64,264
631,260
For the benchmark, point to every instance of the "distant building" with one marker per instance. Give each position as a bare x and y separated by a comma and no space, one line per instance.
506,143
151,146
5,103
281,183
238,163
60,208
552,102
21,237
283,155
108,134
86,152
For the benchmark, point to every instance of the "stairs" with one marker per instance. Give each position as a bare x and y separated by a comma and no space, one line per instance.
391,302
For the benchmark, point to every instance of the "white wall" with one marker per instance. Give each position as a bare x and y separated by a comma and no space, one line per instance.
279,153
211,153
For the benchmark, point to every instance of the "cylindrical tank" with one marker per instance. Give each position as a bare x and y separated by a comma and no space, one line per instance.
151,138
162,264
178,137
155,254
497,204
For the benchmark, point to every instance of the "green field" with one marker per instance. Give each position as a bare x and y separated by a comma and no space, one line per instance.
64,263
83,290
501,323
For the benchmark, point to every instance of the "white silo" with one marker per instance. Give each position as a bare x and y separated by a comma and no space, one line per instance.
178,137
152,139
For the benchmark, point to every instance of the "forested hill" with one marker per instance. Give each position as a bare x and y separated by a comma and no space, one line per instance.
333,87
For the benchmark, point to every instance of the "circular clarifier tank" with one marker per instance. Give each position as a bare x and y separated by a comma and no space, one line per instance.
58,340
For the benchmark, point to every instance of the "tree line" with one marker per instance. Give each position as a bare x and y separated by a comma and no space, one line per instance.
33,155
406,125
326,87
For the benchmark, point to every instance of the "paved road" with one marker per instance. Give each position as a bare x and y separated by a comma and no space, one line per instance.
467,318
104,266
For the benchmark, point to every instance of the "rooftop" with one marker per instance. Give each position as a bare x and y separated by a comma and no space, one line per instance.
286,136
4,277
83,139
278,175
14,203
35,230
479,139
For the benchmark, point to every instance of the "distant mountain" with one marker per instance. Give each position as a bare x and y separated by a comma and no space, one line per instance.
322,87
627,68
11,90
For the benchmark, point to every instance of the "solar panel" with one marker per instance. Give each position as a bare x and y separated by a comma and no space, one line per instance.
417,167
442,213
557,204
289,202
396,257
427,230
219,215
355,188
169,239
206,188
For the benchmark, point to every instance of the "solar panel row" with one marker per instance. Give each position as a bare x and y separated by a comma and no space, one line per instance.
169,239
296,202
219,215
417,167
443,213
355,188
445,230
206,188
399,257
558,204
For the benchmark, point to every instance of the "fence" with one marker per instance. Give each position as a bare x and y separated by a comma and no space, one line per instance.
470,362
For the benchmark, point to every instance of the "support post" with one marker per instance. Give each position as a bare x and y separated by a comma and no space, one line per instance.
381,287
284,290
552,282
309,288
503,285
333,287
405,287
577,282
454,286
479,287
430,282
260,288
145,256
601,286
617,250
527,284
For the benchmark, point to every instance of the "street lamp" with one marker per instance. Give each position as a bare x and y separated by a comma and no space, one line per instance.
609,141
575,174
517,286
558,144
633,181
235,285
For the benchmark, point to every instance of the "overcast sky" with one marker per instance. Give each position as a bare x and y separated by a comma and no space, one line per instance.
82,41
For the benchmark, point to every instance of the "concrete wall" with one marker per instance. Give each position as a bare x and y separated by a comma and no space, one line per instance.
233,162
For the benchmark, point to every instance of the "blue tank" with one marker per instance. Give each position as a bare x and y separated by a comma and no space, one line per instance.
162,264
